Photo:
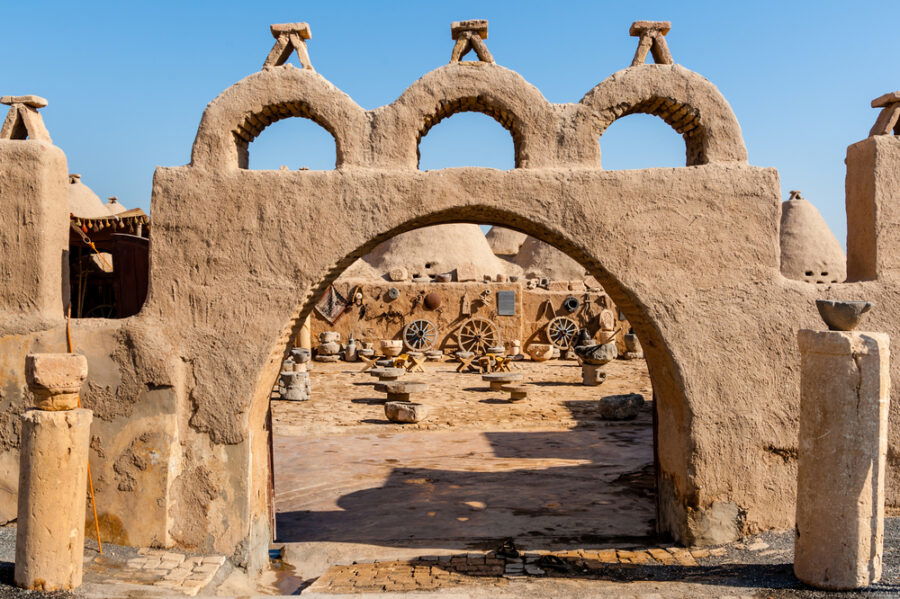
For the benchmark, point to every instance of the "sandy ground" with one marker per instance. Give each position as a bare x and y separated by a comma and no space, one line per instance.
343,399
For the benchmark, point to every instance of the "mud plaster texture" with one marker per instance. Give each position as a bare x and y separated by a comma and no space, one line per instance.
692,260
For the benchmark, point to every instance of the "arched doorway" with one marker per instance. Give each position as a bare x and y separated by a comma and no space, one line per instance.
551,472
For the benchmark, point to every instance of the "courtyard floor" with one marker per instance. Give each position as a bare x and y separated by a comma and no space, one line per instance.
547,472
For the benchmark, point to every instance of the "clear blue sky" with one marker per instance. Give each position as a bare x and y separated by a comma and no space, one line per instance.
128,81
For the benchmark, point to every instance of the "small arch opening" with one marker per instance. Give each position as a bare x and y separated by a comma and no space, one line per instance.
286,136
638,141
469,136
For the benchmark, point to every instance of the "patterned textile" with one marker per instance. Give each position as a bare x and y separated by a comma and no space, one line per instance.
332,305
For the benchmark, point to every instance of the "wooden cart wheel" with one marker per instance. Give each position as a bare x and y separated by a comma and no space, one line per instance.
476,335
561,332
420,335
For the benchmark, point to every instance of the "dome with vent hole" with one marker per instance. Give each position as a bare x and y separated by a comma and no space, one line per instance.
809,250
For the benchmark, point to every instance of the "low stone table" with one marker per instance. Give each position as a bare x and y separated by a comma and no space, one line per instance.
401,390
498,379
405,412
517,392
390,374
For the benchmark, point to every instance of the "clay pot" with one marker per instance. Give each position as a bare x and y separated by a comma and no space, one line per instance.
300,355
391,347
540,352
329,336
631,343
332,348
432,301
842,315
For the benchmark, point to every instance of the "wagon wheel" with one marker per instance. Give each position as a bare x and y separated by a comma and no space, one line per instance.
561,332
476,335
420,335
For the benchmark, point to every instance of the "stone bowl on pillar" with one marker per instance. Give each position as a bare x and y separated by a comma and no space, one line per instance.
842,315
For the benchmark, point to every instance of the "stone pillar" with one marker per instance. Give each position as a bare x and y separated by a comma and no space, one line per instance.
305,336
845,391
52,476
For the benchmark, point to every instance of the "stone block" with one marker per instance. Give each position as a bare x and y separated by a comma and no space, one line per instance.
621,407
29,100
301,29
405,412
55,379
880,101
477,26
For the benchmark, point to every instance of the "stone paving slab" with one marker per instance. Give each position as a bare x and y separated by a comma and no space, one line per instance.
154,572
433,572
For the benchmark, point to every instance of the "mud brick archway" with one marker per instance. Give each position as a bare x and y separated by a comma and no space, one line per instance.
239,255
180,391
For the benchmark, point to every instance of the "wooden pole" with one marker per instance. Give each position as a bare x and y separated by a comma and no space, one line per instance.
90,476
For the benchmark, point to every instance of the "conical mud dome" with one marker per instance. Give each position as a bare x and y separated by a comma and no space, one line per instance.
809,250
439,249
83,202
505,242
360,270
539,259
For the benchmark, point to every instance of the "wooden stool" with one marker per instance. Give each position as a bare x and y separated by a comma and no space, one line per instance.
502,364
401,390
465,363
498,379
369,362
415,363
517,392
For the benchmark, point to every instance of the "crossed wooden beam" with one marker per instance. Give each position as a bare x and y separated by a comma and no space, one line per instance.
23,121
289,38
888,120
652,36
470,36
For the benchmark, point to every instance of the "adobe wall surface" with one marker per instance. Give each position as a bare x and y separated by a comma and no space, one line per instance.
691,259
34,238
